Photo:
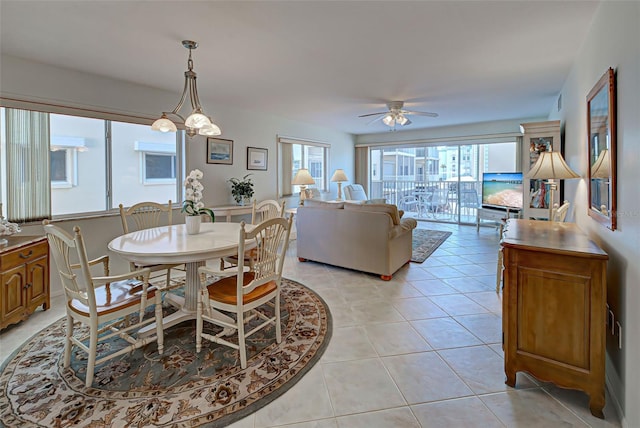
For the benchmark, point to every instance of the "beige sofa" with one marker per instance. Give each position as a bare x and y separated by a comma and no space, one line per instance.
365,237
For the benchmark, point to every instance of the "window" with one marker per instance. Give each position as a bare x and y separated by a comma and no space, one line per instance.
93,164
158,167
294,154
452,167
60,167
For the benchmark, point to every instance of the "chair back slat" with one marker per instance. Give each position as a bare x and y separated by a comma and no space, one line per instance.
75,286
271,238
560,214
265,210
144,215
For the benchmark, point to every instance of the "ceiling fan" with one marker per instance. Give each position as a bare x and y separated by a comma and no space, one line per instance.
396,115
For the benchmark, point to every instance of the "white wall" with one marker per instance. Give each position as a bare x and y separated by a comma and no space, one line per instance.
613,41
33,81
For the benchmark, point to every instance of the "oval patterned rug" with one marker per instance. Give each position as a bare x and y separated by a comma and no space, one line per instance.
180,388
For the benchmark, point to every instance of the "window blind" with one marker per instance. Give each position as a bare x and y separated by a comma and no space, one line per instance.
27,166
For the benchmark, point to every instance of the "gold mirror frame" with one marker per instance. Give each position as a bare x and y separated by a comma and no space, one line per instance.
601,141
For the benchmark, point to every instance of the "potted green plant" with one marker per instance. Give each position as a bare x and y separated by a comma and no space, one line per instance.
241,189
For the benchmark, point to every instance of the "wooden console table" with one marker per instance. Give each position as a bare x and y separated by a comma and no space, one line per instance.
232,210
554,306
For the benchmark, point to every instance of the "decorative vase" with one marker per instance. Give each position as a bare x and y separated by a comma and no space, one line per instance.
193,224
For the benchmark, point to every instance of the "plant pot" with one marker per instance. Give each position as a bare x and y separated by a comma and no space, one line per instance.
244,201
193,224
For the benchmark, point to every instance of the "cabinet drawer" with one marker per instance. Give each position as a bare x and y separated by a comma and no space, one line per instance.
23,255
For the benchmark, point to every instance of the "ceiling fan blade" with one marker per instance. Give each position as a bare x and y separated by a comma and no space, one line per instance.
373,114
375,120
421,113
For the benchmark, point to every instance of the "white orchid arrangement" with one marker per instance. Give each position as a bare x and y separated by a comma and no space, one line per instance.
193,204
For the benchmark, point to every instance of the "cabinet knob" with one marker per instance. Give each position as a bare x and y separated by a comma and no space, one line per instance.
26,286
26,256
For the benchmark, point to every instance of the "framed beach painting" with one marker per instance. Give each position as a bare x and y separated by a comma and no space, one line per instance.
219,150
257,158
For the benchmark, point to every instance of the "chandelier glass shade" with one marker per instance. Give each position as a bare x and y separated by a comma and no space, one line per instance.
197,122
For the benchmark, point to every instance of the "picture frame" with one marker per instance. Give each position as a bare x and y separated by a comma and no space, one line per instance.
601,150
257,158
219,151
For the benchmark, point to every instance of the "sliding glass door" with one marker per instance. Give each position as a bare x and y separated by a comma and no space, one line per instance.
438,182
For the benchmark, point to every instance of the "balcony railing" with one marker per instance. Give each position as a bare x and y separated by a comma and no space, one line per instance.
448,201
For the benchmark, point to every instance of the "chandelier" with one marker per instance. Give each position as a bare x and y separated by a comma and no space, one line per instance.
197,122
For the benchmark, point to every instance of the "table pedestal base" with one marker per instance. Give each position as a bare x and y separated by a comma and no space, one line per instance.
187,308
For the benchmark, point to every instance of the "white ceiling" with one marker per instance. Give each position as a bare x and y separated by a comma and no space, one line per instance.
322,62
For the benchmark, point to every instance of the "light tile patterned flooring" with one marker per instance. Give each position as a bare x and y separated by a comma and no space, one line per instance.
422,350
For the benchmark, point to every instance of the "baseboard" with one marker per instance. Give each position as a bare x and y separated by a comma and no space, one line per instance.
610,381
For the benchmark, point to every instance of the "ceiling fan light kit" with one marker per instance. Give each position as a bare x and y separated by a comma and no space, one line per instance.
197,122
396,115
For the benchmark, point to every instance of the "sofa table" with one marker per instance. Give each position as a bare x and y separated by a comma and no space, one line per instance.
554,306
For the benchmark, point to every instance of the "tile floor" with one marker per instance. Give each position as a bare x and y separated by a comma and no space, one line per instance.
422,350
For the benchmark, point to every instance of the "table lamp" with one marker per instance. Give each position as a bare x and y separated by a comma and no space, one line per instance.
601,168
338,177
550,166
303,179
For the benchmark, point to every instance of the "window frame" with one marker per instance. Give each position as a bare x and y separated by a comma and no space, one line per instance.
71,158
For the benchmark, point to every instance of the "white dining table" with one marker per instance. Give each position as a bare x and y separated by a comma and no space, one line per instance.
172,244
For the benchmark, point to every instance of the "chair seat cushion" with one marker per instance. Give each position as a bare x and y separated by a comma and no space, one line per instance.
114,297
224,290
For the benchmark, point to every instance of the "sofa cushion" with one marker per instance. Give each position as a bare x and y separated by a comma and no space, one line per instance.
390,209
323,204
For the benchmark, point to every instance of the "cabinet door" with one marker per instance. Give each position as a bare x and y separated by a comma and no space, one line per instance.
38,282
13,296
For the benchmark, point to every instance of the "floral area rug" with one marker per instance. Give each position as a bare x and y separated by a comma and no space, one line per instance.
426,242
181,388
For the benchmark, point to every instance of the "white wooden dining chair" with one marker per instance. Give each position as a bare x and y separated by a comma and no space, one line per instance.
109,305
559,214
146,215
243,293
261,211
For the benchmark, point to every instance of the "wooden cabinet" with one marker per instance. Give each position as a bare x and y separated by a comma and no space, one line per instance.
554,307
24,278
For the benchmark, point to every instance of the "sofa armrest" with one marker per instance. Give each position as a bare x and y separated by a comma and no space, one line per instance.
406,225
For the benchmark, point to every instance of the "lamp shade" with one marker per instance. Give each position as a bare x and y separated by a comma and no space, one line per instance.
210,131
164,124
339,176
601,168
197,120
303,178
551,165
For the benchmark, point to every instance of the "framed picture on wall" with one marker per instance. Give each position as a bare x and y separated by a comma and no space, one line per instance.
257,158
219,150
